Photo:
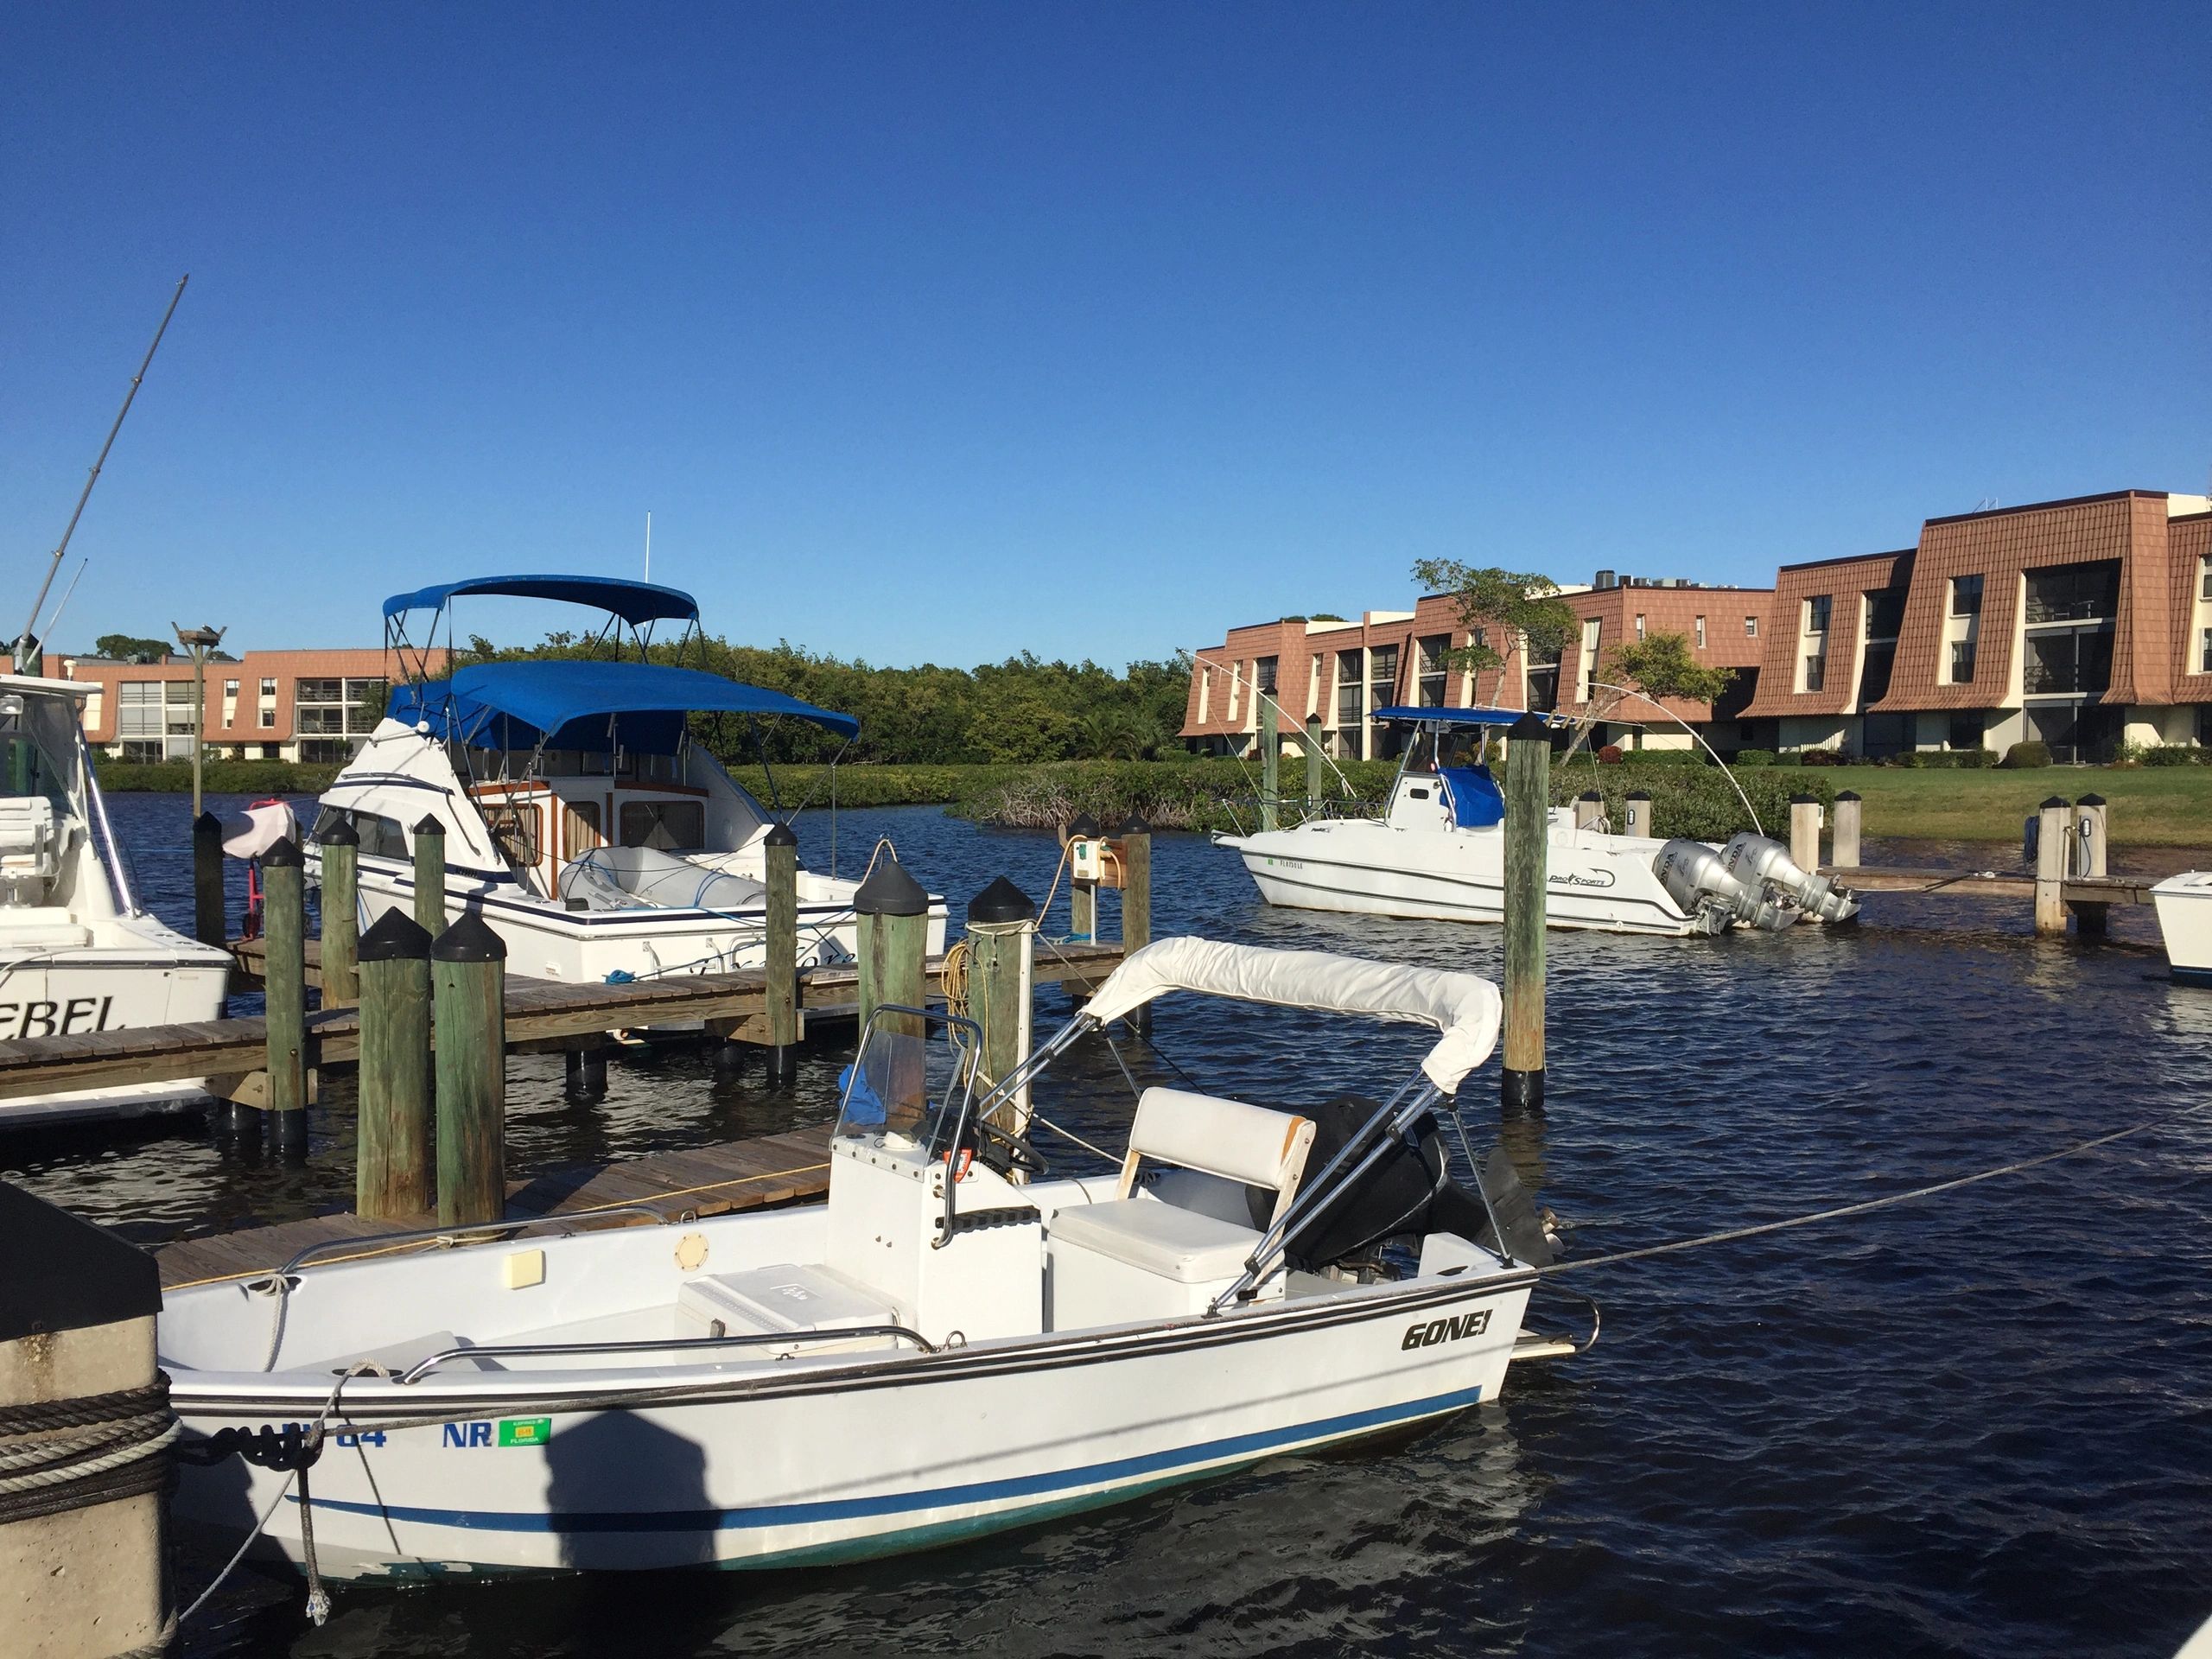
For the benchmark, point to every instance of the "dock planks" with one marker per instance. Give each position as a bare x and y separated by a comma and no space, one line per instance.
1990,884
710,1180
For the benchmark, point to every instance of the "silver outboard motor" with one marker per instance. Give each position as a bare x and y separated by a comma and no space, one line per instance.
1696,878
1756,861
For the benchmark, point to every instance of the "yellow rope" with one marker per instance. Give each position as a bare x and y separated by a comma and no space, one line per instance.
564,1215
952,977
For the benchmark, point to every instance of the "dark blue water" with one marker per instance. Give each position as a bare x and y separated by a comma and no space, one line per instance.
1974,1426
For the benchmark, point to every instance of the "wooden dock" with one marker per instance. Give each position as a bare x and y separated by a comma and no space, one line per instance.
712,1180
1991,884
540,1013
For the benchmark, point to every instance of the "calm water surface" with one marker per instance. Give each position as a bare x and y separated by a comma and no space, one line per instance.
1974,1426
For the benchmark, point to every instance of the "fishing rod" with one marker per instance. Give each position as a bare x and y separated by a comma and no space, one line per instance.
27,645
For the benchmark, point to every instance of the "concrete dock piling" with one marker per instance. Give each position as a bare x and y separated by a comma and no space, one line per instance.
1636,815
1589,809
469,964
1805,831
1845,854
2053,851
394,1115
1528,880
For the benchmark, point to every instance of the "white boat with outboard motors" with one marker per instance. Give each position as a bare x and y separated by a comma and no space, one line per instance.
2184,903
77,952
1438,852
581,821
960,1340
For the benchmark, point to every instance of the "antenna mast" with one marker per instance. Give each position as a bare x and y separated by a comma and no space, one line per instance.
27,647
649,544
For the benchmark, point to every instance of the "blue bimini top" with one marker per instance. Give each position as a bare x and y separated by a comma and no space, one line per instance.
592,707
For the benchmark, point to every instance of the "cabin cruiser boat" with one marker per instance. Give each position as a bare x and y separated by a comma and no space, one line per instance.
581,820
2184,903
959,1341
77,952
1438,852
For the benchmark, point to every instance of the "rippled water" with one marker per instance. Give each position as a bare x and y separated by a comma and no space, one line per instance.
1969,1426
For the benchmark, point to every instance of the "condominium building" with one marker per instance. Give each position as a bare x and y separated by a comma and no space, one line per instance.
313,706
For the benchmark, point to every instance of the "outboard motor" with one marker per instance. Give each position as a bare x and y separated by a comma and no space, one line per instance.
1696,878
1758,860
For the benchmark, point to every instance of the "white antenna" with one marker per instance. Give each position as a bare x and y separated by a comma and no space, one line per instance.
649,546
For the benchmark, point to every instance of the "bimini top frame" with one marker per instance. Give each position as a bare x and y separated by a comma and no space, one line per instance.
638,605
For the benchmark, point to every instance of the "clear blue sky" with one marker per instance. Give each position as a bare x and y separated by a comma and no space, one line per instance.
938,332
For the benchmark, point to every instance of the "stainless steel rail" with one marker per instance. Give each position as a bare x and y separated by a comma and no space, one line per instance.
422,1367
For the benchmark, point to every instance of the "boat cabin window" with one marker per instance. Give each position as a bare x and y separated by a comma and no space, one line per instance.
38,749
583,832
1445,750
517,831
381,837
665,826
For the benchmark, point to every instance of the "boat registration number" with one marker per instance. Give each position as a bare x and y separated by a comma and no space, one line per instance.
1451,1330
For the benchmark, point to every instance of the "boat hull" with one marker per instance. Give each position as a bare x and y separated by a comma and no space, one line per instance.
69,992
1375,868
848,1462
2184,904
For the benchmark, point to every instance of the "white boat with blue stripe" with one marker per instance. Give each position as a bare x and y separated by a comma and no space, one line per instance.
961,1340
581,819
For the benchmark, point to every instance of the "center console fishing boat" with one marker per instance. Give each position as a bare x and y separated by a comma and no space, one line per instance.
2184,903
581,820
959,1341
78,952
1438,852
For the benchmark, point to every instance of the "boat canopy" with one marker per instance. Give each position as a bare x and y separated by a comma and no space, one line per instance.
1459,716
587,706
633,601
1465,1007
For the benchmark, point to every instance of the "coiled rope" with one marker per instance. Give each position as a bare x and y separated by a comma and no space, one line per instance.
69,1455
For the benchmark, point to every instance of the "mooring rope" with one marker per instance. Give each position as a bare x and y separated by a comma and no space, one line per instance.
69,1454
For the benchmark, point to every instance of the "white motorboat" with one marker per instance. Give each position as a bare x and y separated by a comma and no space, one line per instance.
957,1342
1438,852
580,820
2184,903
78,952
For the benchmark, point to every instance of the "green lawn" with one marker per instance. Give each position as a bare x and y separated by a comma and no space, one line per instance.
2151,806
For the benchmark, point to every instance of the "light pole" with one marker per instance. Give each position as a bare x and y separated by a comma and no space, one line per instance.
200,642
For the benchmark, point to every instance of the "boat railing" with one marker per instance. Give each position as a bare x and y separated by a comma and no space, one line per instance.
425,1366
455,1237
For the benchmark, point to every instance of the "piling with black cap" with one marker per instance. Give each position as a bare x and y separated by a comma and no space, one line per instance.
284,980
1082,896
1528,874
209,924
468,965
1805,831
891,913
341,845
430,876
1314,766
785,1023
1589,807
392,1176
1844,853
1270,762
1002,944
1636,816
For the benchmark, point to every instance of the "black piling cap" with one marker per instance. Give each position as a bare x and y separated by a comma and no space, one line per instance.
2057,800
1801,799
1847,795
1634,795
429,825
207,824
2090,800
1134,825
285,856
1085,828
339,832
1593,795
1530,725
394,937
1001,902
469,939
891,891
782,836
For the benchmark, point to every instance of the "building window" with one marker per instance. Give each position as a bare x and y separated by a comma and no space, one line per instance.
138,709
1751,627
1966,596
269,720
1962,662
1816,670
1816,613
1382,677
269,688
2074,593
1263,675
1586,671
2204,663
1205,695
2069,661
1434,670
2204,580
2204,724
231,689
1639,624
1700,633
1348,684
1966,731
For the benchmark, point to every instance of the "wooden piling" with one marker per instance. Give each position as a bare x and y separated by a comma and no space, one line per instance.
1002,941
585,1077
2088,859
1270,763
342,916
430,876
1136,900
392,1169
2051,854
1315,766
785,1023
209,926
283,922
892,915
469,964
1589,807
1844,854
1528,870
1082,896
1805,832
1637,814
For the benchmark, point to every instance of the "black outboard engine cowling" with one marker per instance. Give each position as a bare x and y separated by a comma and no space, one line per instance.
1407,1192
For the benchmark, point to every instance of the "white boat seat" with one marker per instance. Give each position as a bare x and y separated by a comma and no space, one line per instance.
1166,1239
1223,1138
31,847
776,1301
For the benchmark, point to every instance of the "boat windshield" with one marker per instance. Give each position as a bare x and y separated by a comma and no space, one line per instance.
907,1084
1443,751
38,749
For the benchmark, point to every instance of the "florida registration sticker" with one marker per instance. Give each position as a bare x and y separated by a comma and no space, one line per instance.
525,1431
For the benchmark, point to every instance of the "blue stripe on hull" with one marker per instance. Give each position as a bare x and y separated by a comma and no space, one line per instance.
1164,1467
